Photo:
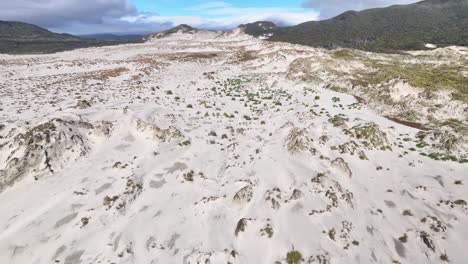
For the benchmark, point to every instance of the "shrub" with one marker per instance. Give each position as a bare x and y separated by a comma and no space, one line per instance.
293,257
404,238
246,56
189,176
185,143
444,257
407,212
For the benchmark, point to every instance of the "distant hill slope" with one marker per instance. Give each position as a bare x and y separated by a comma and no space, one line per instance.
183,28
259,28
27,32
440,22
109,36
24,38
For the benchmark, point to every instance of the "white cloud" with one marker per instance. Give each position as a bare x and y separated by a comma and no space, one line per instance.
217,15
121,16
55,13
331,8
209,5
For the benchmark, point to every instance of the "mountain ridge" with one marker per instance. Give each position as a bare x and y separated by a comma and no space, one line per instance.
112,36
15,30
398,27
24,38
182,28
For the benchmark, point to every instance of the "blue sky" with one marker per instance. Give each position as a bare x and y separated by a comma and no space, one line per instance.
145,16
219,14
171,7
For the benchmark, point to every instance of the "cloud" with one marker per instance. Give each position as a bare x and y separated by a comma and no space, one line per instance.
121,16
278,17
57,13
209,5
221,15
331,8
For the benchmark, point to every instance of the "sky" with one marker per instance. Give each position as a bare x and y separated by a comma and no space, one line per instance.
145,16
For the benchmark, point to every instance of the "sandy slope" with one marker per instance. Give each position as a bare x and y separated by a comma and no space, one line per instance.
206,148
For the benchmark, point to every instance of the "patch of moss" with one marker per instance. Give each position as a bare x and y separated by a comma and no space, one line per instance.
445,157
337,120
246,56
371,136
344,54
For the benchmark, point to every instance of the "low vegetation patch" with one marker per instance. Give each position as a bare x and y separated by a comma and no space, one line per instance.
293,257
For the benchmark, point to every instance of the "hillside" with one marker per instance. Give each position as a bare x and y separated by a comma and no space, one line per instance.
109,36
259,28
439,22
180,29
23,38
19,31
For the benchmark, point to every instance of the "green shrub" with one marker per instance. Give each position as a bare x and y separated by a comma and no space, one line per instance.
189,176
407,212
293,257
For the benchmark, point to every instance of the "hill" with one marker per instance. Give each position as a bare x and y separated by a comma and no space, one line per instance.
24,38
110,36
19,31
260,28
180,29
439,22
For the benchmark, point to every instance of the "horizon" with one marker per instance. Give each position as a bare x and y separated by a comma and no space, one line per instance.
146,16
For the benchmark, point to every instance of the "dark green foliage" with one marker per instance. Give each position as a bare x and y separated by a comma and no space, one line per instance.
444,257
440,22
18,31
189,176
293,257
259,28
407,212
23,38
